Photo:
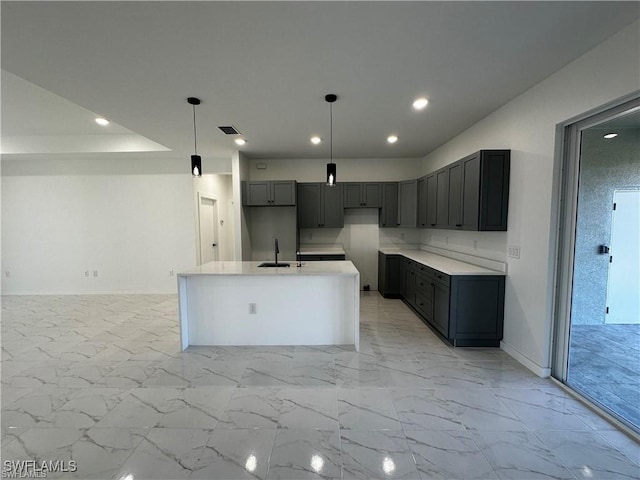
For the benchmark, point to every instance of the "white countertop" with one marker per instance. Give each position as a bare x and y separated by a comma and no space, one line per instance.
440,263
320,250
340,267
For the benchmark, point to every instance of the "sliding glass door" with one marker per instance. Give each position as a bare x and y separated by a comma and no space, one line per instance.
598,315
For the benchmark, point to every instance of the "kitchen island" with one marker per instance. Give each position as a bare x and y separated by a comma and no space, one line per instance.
240,303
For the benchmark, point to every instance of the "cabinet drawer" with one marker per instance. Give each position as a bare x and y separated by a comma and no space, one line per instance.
423,282
425,306
442,278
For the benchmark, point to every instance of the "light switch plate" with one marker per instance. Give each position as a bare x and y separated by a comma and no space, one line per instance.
513,251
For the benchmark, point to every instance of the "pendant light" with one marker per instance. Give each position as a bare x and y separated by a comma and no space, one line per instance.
331,167
196,160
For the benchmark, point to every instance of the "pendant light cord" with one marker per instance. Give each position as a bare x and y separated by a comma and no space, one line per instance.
331,132
195,133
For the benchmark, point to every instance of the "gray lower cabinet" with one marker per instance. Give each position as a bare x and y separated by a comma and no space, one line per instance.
320,206
269,193
467,310
362,194
408,203
389,212
389,275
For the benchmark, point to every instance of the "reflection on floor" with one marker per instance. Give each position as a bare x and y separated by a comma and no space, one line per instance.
100,380
604,363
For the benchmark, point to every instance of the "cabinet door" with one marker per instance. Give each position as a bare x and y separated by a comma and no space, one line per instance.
455,195
432,199
372,195
441,308
442,202
408,198
470,192
283,192
494,190
393,272
422,202
353,197
389,213
257,194
403,277
410,287
332,209
309,205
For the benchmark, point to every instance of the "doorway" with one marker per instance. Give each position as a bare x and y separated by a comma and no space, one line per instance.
623,287
597,330
208,229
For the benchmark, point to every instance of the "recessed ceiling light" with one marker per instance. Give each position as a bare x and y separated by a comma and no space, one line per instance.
420,103
316,140
240,141
102,122
392,139
611,135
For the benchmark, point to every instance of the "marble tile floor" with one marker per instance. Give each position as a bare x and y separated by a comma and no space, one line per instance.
100,381
604,363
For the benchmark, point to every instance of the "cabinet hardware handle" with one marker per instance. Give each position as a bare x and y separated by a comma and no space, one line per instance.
458,224
433,224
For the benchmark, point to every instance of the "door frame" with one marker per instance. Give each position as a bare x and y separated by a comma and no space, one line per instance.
568,139
214,198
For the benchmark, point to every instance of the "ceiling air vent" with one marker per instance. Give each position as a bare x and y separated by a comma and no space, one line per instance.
231,130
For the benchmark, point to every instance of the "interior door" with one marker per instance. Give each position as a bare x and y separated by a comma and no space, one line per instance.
623,302
208,221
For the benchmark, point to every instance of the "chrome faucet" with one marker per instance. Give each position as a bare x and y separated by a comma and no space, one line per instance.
277,251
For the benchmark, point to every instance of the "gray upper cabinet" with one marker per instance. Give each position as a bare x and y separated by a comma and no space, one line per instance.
320,206
389,212
422,202
482,192
362,194
270,193
431,185
408,203
454,194
470,194
442,198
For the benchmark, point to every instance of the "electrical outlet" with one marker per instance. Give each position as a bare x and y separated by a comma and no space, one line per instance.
171,273
86,273
95,273
7,274
252,308
513,251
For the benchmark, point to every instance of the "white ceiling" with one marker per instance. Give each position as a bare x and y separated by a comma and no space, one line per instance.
266,66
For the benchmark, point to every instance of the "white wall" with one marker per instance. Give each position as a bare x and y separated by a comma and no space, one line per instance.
527,126
131,228
349,170
242,216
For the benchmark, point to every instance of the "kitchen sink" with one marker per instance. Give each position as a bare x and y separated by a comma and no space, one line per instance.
272,264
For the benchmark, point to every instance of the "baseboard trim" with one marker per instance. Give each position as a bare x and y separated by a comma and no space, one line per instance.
542,372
